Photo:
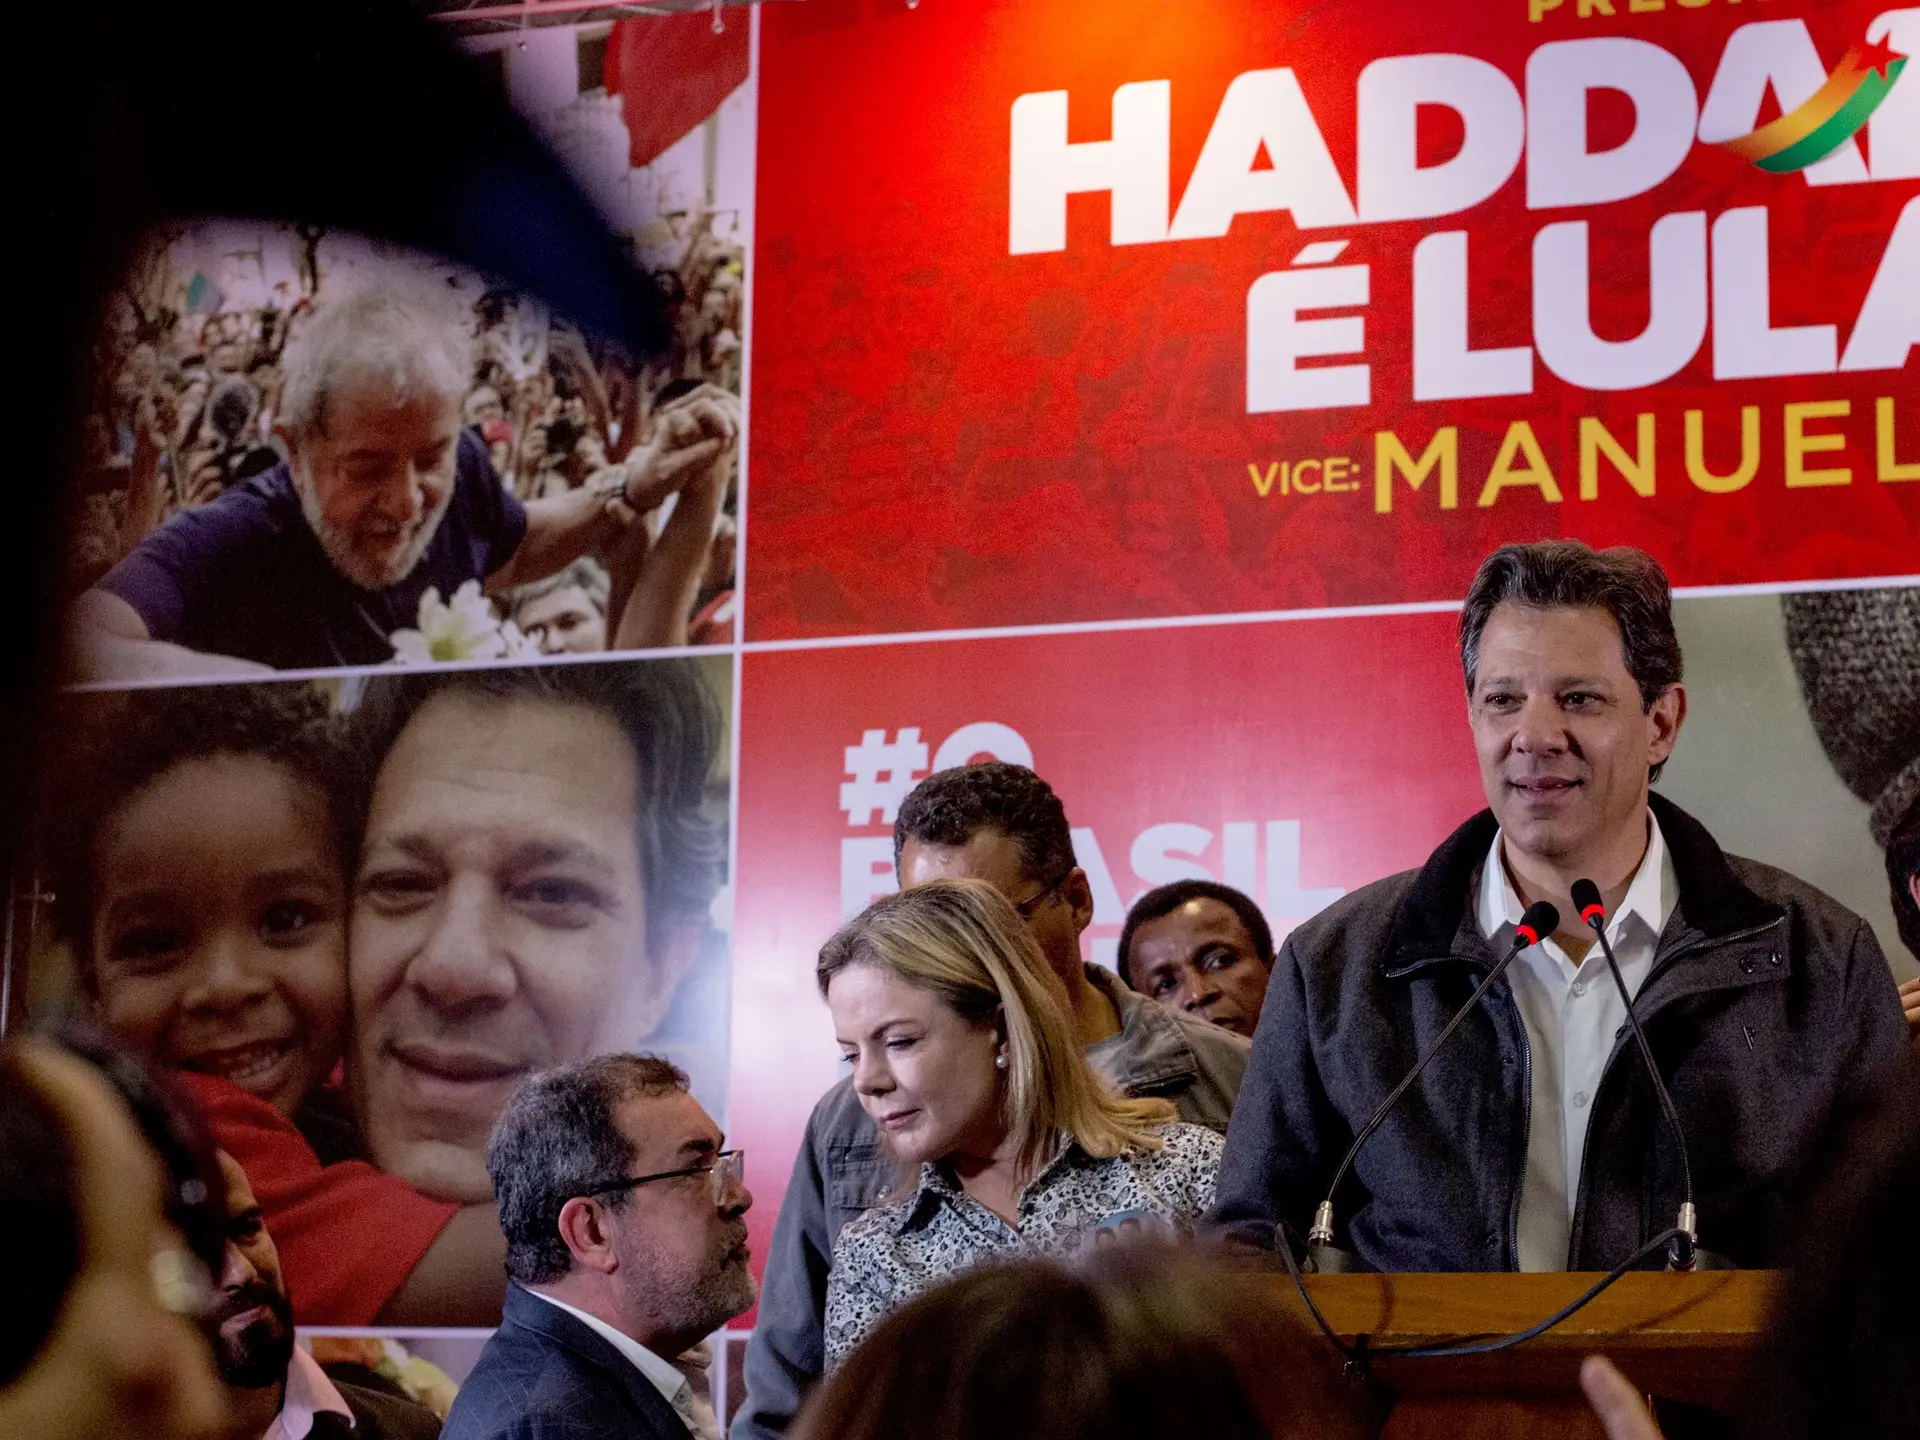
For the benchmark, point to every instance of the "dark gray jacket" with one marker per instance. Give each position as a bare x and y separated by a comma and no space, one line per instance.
840,1171
545,1376
1770,1010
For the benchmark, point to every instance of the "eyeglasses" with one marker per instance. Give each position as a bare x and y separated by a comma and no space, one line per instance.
1025,908
729,1167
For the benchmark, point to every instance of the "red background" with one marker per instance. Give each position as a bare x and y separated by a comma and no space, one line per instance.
1355,728
948,436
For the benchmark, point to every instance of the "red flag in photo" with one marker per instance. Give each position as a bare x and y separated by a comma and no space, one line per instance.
671,72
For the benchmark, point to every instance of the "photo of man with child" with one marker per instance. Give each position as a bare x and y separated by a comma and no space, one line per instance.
355,914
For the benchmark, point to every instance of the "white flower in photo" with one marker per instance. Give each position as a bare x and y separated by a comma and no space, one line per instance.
463,629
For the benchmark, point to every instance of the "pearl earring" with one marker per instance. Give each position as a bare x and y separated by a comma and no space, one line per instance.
999,1062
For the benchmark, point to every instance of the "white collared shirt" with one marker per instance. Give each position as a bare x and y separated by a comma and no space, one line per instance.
309,1392
1573,1015
661,1374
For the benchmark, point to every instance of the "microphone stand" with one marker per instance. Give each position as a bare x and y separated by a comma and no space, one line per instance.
1323,1256
1684,1254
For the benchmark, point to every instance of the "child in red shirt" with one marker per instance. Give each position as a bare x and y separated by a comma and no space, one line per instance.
202,880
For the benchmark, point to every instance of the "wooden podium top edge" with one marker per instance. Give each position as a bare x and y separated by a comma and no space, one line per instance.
1715,1308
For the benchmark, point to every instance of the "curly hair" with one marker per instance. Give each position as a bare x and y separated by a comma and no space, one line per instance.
122,743
950,808
668,715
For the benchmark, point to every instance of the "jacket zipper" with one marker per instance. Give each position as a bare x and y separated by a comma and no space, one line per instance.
1625,1042
1520,1160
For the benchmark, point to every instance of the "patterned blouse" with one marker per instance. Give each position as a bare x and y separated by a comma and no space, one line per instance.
893,1252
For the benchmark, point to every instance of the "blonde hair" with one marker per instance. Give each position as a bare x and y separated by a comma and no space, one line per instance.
962,941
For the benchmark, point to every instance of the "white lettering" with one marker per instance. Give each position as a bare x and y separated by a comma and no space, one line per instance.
1107,909
1286,897
1889,323
1562,325
866,872
1444,367
1561,170
1262,107
1746,345
1132,165
1278,339
983,737
1893,135
1393,183
1165,853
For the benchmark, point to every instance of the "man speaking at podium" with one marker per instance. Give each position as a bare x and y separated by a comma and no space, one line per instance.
1534,1140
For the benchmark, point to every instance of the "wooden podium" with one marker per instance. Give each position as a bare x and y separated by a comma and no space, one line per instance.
1684,1337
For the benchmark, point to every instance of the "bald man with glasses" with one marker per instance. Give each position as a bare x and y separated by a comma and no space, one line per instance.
626,1245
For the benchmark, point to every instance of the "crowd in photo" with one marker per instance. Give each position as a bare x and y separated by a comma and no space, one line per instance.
191,405
1046,1198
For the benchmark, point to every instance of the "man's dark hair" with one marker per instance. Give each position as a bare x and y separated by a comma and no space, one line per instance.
557,1139
950,808
1903,863
668,715
122,743
1166,899
1551,574
39,1199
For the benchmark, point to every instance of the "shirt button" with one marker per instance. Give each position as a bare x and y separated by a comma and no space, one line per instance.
1579,987
1580,1098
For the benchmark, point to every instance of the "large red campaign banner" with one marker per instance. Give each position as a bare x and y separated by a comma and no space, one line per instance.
1082,309
1294,760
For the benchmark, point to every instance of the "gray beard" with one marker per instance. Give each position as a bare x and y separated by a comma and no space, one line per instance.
345,558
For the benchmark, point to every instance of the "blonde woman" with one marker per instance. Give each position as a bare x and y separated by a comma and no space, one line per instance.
1009,1144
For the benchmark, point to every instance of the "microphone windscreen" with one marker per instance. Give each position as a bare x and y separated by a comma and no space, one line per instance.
1586,896
1541,918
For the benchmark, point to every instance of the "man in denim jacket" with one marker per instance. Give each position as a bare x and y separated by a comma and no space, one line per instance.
1002,824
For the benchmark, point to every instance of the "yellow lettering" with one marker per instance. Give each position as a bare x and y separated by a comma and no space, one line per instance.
1890,469
1520,440
1645,7
1335,469
1590,8
1537,9
1697,470
1300,484
1800,444
1595,441
1265,487
1694,4
1390,455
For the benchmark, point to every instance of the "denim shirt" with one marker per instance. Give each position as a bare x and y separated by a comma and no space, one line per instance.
841,1172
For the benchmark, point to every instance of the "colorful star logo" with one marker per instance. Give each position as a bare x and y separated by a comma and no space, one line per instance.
1833,115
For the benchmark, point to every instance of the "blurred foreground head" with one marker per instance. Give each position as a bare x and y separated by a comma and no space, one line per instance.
1141,1342
110,1194
1844,1354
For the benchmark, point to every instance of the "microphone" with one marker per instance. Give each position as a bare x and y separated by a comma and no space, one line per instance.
1684,1253
1323,1257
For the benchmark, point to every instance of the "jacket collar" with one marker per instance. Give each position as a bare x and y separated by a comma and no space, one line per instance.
1433,921
1149,1054
528,1312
